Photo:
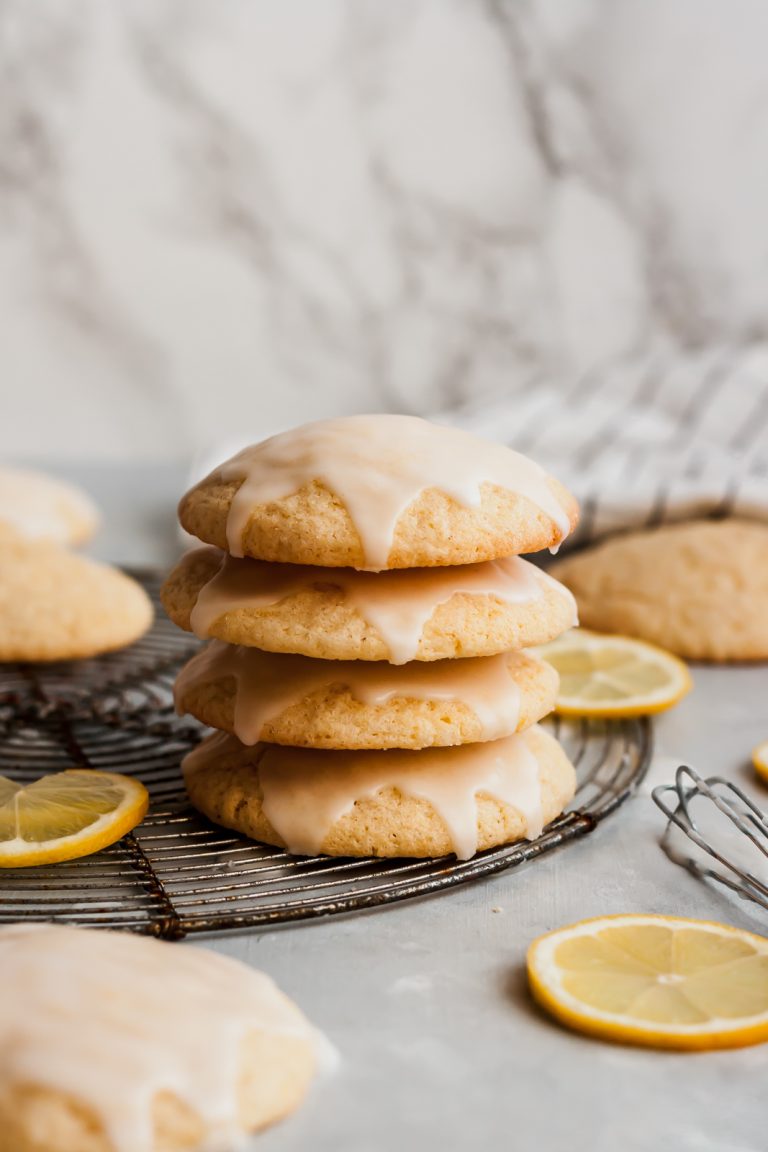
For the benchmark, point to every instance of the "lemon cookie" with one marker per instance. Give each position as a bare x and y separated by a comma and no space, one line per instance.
377,492
340,614
699,589
118,1043
394,803
58,606
353,704
41,507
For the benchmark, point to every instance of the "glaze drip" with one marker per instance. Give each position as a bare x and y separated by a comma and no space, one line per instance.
377,466
305,792
113,1019
398,604
267,684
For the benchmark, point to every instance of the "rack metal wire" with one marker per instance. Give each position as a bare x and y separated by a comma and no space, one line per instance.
178,874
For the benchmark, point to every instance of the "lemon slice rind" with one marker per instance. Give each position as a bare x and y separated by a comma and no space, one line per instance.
105,830
760,760
546,984
580,642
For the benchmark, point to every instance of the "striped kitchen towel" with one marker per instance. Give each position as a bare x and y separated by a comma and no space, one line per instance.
643,443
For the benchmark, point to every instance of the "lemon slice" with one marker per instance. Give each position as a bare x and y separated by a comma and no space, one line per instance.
604,675
659,981
69,814
760,760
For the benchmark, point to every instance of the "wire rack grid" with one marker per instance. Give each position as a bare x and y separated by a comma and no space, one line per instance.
177,874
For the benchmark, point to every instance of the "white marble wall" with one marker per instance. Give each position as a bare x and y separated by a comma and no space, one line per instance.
221,216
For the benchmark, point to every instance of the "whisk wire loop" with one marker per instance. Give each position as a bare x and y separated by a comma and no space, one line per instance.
677,800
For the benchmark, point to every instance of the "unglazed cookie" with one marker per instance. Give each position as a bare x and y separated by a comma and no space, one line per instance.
394,803
40,507
117,1043
378,492
340,614
58,606
353,704
699,589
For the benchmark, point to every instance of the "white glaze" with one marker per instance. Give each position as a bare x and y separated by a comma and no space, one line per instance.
377,466
398,604
306,791
267,683
40,507
112,1019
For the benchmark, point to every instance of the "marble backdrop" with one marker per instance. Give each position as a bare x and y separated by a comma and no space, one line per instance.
218,217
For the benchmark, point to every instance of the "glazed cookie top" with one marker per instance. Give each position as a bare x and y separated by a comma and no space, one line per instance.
40,507
341,614
698,588
346,704
363,803
378,492
114,1019
55,605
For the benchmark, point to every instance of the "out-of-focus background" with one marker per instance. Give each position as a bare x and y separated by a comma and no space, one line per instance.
220,217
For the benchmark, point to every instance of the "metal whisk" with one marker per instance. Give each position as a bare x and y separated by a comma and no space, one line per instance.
727,828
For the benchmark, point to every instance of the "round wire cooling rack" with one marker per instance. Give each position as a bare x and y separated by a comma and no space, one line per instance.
177,873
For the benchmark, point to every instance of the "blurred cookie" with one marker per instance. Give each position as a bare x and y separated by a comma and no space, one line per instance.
353,704
378,492
55,605
699,589
40,507
394,803
117,1043
340,614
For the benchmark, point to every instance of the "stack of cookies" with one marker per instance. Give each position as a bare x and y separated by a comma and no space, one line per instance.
369,610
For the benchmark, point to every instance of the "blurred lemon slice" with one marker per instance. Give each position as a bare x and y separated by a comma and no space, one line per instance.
69,814
605,675
760,760
658,981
